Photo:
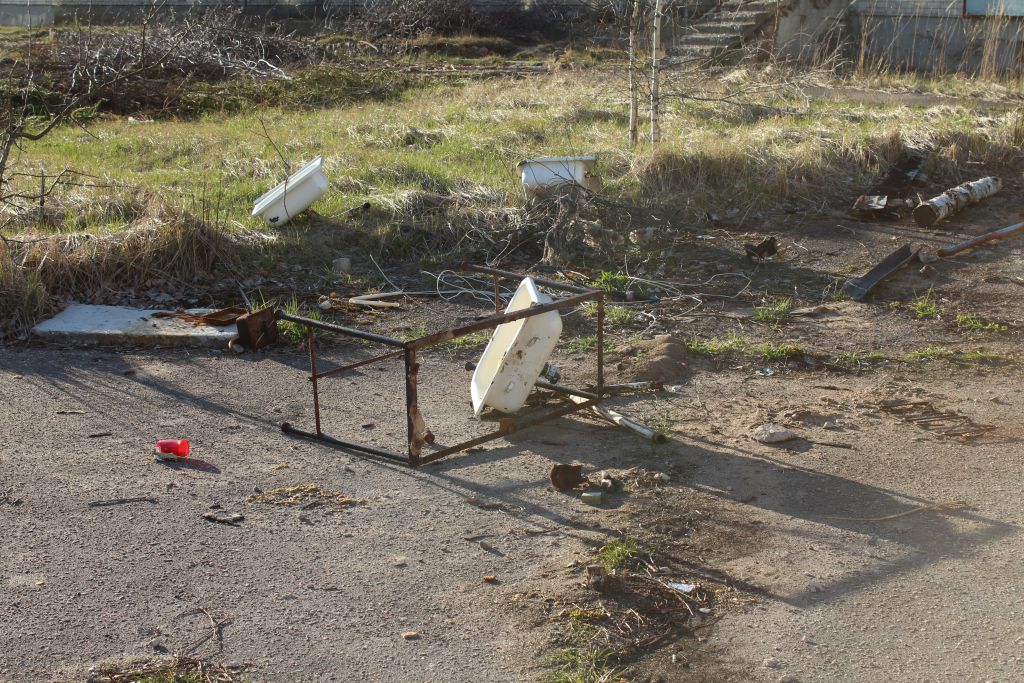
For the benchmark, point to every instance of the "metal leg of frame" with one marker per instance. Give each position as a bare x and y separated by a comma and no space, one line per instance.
311,340
412,408
497,296
599,390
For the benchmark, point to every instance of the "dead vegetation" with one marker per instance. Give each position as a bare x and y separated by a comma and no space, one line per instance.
180,669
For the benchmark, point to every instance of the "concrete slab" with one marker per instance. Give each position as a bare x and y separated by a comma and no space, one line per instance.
88,324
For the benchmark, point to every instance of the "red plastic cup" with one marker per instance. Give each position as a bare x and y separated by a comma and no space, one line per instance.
176,447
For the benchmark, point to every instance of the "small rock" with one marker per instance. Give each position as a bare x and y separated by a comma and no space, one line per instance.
927,258
410,635
490,578
815,586
772,433
830,425
788,678
400,561
324,305
772,663
662,477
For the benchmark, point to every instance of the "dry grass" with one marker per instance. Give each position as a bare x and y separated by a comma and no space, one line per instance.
38,271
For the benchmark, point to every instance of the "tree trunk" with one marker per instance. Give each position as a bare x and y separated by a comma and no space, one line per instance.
955,199
634,113
655,94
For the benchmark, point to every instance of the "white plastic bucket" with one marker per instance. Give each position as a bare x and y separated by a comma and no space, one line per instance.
515,356
293,196
548,173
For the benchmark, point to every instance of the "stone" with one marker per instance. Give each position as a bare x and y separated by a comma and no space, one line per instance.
772,433
410,635
772,663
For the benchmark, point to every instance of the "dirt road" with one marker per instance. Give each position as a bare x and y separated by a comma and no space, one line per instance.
325,592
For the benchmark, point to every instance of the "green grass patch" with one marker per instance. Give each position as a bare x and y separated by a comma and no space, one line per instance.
861,359
971,321
925,307
611,282
583,658
982,356
618,553
295,333
472,341
928,353
776,352
615,317
774,312
586,344
717,347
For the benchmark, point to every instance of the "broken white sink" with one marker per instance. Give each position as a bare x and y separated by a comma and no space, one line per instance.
293,196
516,354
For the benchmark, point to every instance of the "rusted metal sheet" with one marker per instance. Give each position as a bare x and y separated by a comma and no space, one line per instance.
858,287
257,329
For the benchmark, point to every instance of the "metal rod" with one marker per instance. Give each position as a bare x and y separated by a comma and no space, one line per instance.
495,320
517,425
568,391
353,366
412,406
600,346
497,296
370,450
553,284
368,336
311,340
980,239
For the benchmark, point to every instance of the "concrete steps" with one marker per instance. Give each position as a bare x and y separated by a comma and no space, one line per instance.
723,30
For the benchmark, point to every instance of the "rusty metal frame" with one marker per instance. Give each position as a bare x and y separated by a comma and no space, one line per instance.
416,427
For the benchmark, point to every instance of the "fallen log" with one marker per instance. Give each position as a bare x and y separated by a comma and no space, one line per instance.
955,199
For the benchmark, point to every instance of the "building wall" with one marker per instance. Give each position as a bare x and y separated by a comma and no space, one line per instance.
918,35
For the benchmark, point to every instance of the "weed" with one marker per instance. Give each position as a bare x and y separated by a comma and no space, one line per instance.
774,312
586,344
981,356
860,359
416,332
895,305
467,343
717,347
925,307
970,321
617,553
580,614
295,333
615,317
775,352
583,659
928,353
611,282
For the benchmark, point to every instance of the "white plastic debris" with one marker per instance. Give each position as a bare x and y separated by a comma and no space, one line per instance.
293,196
549,173
772,433
683,587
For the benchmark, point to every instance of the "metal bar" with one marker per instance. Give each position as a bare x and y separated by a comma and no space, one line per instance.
553,284
600,346
311,340
568,391
495,320
348,331
412,407
353,366
515,426
370,450
980,239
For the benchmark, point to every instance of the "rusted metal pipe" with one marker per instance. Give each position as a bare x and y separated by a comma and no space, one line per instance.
980,239
348,331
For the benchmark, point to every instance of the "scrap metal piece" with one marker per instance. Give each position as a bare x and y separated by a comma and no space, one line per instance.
858,287
257,329
766,249
882,200
980,239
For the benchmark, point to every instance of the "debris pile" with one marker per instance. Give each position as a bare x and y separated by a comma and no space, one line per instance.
305,495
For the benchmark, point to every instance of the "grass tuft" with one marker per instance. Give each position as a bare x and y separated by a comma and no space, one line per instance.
971,321
583,659
925,307
775,352
928,353
774,312
717,347
617,553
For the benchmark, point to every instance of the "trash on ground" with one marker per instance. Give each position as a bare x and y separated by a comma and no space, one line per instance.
858,287
622,421
553,174
342,265
257,329
662,477
499,382
767,249
592,497
629,387
955,199
567,477
682,587
981,239
377,300
94,324
306,495
172,449
221,318
892,193
772,433
490,578
293,196
221,517
410,635
609,484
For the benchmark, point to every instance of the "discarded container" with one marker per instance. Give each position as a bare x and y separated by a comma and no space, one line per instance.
513,359
592,497
294,195
178,448
549,173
